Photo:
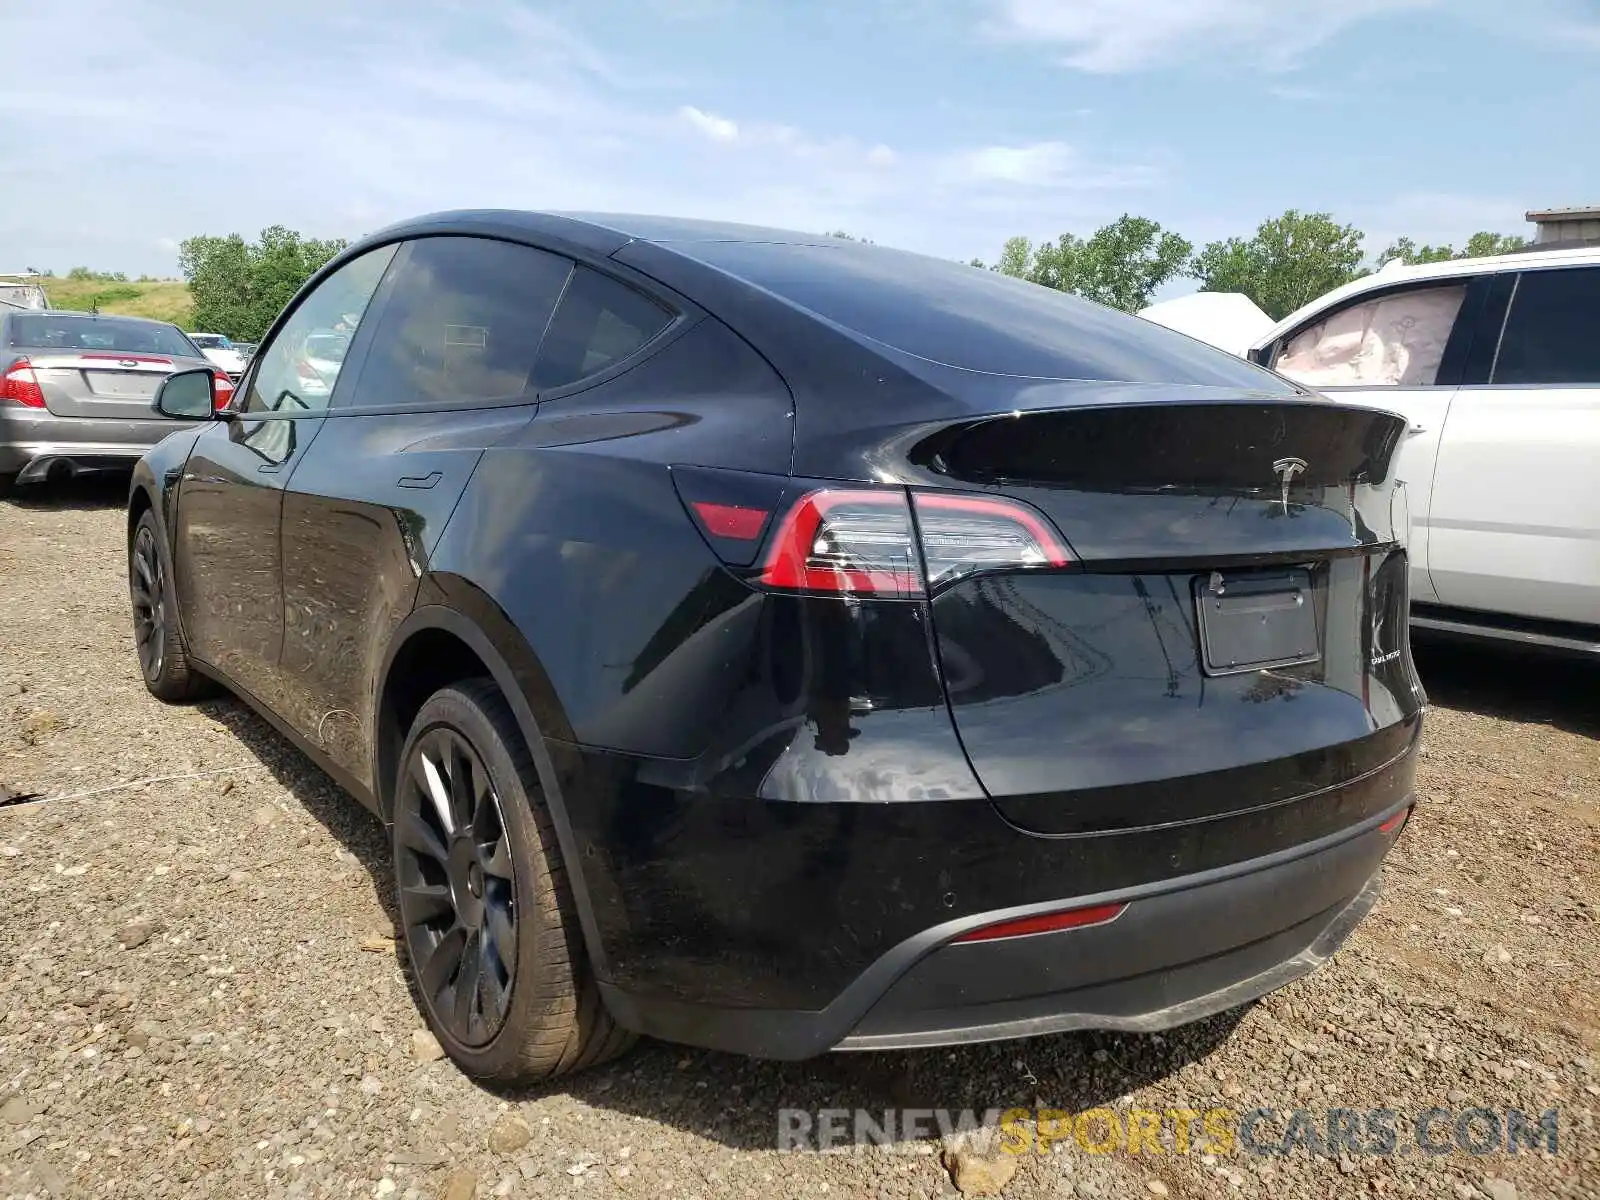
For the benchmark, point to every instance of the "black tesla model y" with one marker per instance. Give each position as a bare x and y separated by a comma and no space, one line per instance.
781,644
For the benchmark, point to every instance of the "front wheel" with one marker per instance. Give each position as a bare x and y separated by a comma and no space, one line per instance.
486,907
163,654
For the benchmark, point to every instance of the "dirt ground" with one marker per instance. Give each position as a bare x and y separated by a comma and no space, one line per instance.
199,995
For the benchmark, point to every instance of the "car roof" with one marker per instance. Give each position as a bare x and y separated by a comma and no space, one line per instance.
88,316
780,288
1453,268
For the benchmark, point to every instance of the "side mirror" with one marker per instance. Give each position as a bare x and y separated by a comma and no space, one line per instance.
187,395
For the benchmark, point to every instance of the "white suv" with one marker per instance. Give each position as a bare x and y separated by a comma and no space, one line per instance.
1496,363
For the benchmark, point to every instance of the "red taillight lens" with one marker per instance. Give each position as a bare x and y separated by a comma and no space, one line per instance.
222,395
963,534
846,540
21,385
1072,918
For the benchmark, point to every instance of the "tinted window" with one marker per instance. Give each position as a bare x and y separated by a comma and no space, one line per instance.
600,322
975,319
63,331
462,323
289,374
1552,333
1396,339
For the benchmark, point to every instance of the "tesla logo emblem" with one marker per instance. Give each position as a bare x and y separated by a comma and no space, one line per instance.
1288,469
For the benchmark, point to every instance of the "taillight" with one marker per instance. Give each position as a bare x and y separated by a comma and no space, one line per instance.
1072,918
865,541
964,534
854,539
846,540
21,385
222,394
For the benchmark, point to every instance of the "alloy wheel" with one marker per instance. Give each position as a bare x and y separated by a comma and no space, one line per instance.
147,583
457,886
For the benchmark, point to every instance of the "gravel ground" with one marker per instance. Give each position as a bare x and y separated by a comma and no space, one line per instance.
199,994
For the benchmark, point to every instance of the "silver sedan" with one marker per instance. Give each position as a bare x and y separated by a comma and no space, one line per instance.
76,389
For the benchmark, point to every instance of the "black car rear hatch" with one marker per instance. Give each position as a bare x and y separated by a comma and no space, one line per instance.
1229,631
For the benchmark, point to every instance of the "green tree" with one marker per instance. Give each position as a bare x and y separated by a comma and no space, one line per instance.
1410,253
1482,245
1120,264
1479,245
1291,259
238,287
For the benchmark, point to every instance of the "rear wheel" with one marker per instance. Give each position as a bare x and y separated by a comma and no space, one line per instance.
485,904
163,654
7,481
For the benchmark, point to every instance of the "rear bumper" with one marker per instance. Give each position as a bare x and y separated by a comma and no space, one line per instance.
1182,950
32,441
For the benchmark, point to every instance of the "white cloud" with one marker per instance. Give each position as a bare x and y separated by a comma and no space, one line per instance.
1039,165
1111,36
718,129
1125,35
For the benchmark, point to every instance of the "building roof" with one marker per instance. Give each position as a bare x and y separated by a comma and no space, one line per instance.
1583,212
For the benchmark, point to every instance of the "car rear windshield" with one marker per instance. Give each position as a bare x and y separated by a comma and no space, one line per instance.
64,331
975,319
209,341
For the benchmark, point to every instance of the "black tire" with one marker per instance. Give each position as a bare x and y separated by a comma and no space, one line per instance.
485,904
7,482
157,638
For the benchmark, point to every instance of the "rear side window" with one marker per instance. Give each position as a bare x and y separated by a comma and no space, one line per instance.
1552,332
600,322
70,333
1393,340
973,319
462,323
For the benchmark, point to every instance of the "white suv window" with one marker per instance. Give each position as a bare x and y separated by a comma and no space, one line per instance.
1395,340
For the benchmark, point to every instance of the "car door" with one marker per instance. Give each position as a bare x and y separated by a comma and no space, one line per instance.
1516,509
444,370
1398,348
230,499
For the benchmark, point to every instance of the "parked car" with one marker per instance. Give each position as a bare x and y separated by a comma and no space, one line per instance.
76,389
1496,363
783,644
19,291
219,350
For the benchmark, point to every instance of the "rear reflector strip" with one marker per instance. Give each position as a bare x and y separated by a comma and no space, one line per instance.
1072,918
1396,822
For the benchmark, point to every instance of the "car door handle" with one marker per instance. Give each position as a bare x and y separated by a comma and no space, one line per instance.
1416,429
421,481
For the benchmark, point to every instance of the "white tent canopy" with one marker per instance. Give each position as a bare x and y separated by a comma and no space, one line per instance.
1227,320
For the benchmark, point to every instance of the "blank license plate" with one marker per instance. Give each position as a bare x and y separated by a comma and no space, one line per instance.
1253,621
140,386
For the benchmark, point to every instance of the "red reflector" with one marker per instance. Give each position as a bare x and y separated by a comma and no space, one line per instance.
1073,918
21,385
730,520
1394,823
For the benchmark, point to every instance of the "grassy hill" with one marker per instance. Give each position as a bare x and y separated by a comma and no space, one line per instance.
163,299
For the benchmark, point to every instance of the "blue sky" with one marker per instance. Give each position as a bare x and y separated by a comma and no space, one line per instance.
936,125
